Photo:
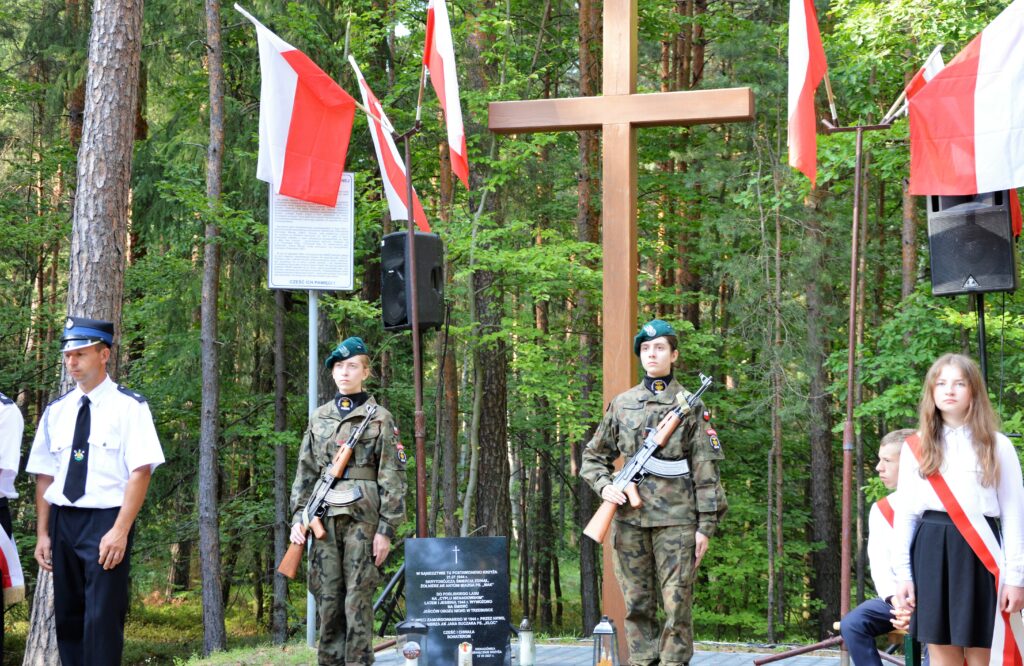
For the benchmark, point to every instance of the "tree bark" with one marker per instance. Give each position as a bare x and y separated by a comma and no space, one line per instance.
909,239
587,227
824,523
279,612
99,228
214,634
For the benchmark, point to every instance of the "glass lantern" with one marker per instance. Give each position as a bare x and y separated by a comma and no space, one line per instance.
527,647
411,641
606,646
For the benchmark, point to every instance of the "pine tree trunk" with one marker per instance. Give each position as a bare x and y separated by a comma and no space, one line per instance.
214,634
98,233
824,523
587,225
279,612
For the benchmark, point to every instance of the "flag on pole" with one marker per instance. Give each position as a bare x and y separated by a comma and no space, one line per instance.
967,124
807,67
932,66
439,58
392,168
305,122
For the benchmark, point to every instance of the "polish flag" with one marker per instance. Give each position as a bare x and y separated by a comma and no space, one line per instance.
392,167
967,124
439,57
807,67
932,66
305,122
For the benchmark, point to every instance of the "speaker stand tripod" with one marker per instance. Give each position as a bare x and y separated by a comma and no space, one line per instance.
979,305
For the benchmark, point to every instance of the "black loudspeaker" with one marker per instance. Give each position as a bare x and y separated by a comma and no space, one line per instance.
395,291
970,240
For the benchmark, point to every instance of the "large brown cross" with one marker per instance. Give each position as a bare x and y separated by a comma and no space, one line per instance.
617,113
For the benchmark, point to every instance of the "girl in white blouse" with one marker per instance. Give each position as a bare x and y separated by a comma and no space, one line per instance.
954,595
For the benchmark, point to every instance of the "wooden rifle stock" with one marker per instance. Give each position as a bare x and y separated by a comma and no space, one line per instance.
601,521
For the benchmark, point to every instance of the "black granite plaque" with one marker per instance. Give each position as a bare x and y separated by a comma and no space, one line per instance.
459,588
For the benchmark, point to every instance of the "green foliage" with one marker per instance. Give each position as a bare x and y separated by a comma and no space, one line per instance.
710,198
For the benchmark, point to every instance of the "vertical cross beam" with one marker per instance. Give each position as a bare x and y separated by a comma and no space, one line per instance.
617,113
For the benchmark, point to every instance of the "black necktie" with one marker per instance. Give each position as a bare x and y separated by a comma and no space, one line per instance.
74,483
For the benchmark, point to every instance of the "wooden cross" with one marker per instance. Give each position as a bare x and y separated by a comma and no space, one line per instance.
617,113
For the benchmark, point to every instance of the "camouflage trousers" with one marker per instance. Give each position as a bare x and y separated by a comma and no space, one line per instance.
653,562
343,578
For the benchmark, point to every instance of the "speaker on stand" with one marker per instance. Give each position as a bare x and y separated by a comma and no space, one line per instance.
972,250
395,288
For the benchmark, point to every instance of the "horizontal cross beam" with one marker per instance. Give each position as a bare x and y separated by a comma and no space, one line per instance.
687,107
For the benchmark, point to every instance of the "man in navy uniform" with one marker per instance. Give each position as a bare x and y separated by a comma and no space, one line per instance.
12,427
93,454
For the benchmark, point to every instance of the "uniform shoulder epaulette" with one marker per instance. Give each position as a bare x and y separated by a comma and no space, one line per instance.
59,398
131,394
4,400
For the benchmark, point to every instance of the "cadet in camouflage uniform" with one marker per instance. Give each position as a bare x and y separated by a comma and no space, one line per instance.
658,546
344,570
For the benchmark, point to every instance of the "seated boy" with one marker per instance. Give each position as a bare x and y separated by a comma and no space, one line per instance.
876,617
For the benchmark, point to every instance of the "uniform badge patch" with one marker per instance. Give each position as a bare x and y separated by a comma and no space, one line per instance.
401,451
345,403
711,432
706,416
649,330
79,455
716,443
69,323
659,385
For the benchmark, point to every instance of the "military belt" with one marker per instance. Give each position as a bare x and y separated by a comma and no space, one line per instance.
360,474
337,497
667,468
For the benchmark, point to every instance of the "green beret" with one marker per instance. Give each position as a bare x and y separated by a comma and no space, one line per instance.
655,328
347,348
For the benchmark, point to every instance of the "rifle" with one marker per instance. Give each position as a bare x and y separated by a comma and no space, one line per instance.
316,505
643,463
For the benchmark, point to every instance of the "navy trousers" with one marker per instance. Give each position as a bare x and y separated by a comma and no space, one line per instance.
89,603
861,626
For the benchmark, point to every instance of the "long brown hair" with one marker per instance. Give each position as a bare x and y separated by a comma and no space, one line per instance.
980,418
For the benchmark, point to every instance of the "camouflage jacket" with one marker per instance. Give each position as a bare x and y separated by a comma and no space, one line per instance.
379,448
695,499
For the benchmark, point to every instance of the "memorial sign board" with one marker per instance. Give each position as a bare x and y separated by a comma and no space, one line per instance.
311,246
459,587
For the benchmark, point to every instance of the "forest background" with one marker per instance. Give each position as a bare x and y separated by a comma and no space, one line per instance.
735,249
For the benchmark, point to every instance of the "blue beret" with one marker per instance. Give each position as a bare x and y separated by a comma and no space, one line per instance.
347,348
82,332
655,328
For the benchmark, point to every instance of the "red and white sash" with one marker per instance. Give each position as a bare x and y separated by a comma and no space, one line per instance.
11,576
979,536
887,511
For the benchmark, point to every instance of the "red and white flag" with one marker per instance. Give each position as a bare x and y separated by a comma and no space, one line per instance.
967,124
392,168
807,67
932,66
439,57
305,122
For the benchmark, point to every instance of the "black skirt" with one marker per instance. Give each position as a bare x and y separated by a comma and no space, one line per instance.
956,595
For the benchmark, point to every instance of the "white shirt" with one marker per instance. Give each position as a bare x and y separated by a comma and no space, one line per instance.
881,547
12,427
963,474
122,438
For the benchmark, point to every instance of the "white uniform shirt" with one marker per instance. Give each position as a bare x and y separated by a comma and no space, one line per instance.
881,544
963,474
12,427
122,438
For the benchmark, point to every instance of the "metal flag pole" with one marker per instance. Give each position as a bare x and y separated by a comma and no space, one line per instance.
312,400
419,421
